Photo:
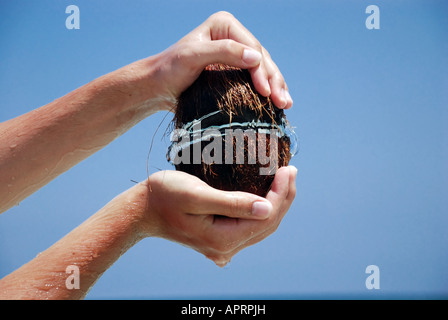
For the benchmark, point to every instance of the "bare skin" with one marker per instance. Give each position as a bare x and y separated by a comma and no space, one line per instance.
40,145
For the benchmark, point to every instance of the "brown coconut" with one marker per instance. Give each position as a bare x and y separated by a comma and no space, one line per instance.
231,90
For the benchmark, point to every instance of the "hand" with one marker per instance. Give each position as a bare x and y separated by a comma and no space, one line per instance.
180,207
220,39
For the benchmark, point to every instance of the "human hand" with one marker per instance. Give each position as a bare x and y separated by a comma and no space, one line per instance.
182,208
220,39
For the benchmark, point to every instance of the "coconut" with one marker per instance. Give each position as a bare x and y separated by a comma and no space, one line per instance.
227,134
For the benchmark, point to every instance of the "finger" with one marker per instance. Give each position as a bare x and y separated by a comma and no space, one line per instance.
280,187
283,206
223,25
260,79
258,230
280,94
242,233
265,75
281,195
288,98
233,204
292,184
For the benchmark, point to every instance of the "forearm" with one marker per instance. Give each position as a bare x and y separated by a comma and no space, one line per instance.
91,248
40,145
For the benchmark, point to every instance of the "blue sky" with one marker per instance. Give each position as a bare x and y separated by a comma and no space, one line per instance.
370,109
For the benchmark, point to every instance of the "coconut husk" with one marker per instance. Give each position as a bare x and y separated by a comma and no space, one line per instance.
230,91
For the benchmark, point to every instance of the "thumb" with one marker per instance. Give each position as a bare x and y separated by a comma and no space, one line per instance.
225,51
233,204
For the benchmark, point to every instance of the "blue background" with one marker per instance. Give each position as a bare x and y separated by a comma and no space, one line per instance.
370,109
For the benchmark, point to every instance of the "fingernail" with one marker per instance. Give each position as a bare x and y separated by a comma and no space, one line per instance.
251,57
261,209
283,98
288,97
267,87
293,171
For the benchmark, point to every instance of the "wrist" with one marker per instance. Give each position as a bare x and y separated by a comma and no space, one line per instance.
144,84
137,206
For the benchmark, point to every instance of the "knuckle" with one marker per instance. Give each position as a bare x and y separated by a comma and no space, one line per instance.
186,57
265,52
291,194
222,16
227,46
190,198
235,206
277,78
271,224
184,52
274,227
276,222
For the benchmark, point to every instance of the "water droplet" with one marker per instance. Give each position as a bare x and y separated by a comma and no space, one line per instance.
294,148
